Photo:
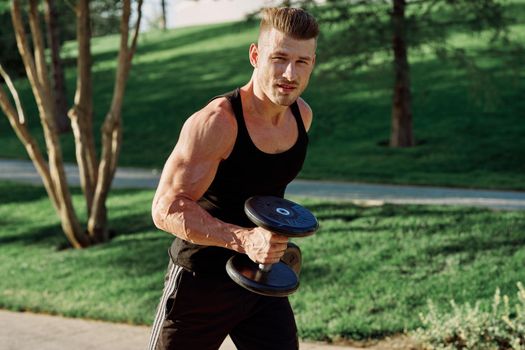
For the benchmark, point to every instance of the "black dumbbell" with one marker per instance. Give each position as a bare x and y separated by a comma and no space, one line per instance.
285,218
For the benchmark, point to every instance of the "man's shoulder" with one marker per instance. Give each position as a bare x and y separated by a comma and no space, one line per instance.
218,113
304,106
306,112
219,105
211,131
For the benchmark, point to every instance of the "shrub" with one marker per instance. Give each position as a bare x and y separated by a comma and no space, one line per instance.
468,327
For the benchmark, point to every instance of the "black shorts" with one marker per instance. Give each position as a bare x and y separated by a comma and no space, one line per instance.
198,311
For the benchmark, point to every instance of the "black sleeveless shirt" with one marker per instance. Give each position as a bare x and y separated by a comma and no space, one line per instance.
247,172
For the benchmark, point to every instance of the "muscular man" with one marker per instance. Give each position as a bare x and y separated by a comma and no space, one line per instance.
249,142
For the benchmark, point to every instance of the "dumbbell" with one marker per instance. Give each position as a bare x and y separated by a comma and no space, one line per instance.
283,217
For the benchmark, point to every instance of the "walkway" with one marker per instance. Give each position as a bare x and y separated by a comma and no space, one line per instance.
366,194
26,331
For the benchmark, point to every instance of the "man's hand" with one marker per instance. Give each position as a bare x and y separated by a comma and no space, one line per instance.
265,247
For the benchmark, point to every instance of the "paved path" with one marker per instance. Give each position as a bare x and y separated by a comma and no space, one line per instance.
23,171
25,331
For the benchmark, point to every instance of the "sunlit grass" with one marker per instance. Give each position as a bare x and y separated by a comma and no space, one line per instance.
368,272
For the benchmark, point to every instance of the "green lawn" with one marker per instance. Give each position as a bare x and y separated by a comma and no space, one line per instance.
461,142
367,273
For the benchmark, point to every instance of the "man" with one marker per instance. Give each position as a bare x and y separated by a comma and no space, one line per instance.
249,142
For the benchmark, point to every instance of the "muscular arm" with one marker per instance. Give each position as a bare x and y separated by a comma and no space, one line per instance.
206,139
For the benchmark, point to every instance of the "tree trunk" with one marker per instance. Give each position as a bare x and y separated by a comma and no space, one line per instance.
59,86
401,134
164,23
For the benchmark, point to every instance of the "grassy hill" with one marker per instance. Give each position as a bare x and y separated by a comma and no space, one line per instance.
461,141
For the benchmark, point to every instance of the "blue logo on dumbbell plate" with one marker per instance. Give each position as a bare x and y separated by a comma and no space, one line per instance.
282,211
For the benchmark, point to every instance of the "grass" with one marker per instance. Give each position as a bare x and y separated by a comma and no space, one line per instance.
366,273
464,138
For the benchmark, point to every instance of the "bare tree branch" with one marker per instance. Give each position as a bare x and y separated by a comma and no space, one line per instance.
112,128
23,45
39,47
137,28
57,72
30,144
14,93
81,114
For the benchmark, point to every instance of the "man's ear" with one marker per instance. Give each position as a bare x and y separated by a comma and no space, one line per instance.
254,55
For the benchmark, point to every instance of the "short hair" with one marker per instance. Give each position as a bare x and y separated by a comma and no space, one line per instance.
294,22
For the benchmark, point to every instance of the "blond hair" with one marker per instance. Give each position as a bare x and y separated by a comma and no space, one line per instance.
294,22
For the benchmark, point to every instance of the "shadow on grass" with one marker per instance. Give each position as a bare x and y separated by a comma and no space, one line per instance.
51,235
131,224
469,245
28,218
347,211
11,192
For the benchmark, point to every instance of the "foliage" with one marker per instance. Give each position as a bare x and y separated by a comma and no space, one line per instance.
360,30
471,328
8,51
4,6
104,17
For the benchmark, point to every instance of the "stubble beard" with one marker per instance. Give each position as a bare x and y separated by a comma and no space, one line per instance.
282,99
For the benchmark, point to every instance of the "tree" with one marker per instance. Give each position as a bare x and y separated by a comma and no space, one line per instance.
359,29
96,175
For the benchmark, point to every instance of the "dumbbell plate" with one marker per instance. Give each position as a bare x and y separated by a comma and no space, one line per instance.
280,281
281,216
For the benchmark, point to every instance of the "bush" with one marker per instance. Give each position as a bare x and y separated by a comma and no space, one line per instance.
470,328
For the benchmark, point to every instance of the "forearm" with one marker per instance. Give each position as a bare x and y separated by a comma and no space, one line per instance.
184,218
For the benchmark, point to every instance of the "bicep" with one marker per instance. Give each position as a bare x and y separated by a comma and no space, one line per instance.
185,176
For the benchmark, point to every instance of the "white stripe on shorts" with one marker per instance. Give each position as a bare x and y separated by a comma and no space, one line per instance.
169,288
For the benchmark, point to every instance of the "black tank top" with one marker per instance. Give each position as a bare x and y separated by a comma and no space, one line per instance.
247,172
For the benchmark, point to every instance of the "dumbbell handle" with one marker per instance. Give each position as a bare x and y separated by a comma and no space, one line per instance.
265,267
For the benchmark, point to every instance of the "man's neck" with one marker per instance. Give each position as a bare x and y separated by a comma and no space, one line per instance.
261,107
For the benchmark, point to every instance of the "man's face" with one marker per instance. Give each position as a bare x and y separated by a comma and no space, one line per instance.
283,65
